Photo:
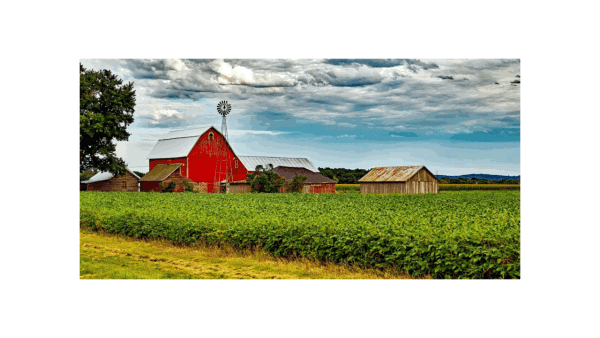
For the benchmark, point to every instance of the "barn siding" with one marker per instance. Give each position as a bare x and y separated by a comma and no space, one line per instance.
422,175
149,186
202,160
239,188
322,188
419,187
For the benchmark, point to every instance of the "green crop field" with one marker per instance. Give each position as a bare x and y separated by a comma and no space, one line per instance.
473,234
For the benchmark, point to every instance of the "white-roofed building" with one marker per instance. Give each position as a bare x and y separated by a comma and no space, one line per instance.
250,162
105,181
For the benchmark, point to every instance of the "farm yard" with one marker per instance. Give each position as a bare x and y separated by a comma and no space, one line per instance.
453,234
400,219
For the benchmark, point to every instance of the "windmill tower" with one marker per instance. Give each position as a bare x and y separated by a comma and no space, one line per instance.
223,171
224,108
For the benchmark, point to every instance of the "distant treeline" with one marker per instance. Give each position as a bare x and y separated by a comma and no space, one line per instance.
344,176
462,180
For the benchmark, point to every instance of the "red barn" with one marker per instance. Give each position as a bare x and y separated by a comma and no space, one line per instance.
205,156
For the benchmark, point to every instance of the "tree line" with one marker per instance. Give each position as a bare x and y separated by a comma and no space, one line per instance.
474,180
342,175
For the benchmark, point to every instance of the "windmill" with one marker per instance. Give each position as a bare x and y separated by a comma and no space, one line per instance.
224,108
222,169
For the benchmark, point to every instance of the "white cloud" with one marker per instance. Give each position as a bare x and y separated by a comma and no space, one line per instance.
160,116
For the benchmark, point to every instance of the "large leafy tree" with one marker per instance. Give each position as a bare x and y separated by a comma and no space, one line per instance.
106,108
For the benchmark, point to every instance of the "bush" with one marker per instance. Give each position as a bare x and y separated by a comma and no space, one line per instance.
169,187
187,186
264,180
84,176
296,184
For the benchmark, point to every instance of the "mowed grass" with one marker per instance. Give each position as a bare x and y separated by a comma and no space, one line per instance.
108,256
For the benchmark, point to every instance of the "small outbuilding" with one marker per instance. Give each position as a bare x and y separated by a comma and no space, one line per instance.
402,179
165,174
105,181
315,183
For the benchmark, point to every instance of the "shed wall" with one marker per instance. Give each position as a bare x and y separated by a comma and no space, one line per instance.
322,188
239,188
315,189
149,186
128,182
411,187
422,175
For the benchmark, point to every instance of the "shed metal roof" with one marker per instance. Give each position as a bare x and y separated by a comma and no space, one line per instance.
177,143
392,174
160,172
104,176
250,162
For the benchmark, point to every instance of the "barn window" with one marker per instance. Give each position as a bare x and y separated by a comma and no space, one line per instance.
236,163
124,185
211,137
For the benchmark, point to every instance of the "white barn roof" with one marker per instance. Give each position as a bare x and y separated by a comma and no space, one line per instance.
104,176
177,143
250,162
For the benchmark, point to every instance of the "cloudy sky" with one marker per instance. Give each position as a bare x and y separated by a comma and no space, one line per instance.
454,116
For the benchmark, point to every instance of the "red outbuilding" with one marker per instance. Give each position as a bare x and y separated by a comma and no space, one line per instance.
315,183
165,174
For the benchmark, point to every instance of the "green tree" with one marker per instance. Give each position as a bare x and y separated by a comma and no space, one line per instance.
84,176
296,184
264,180
139,173
106,108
